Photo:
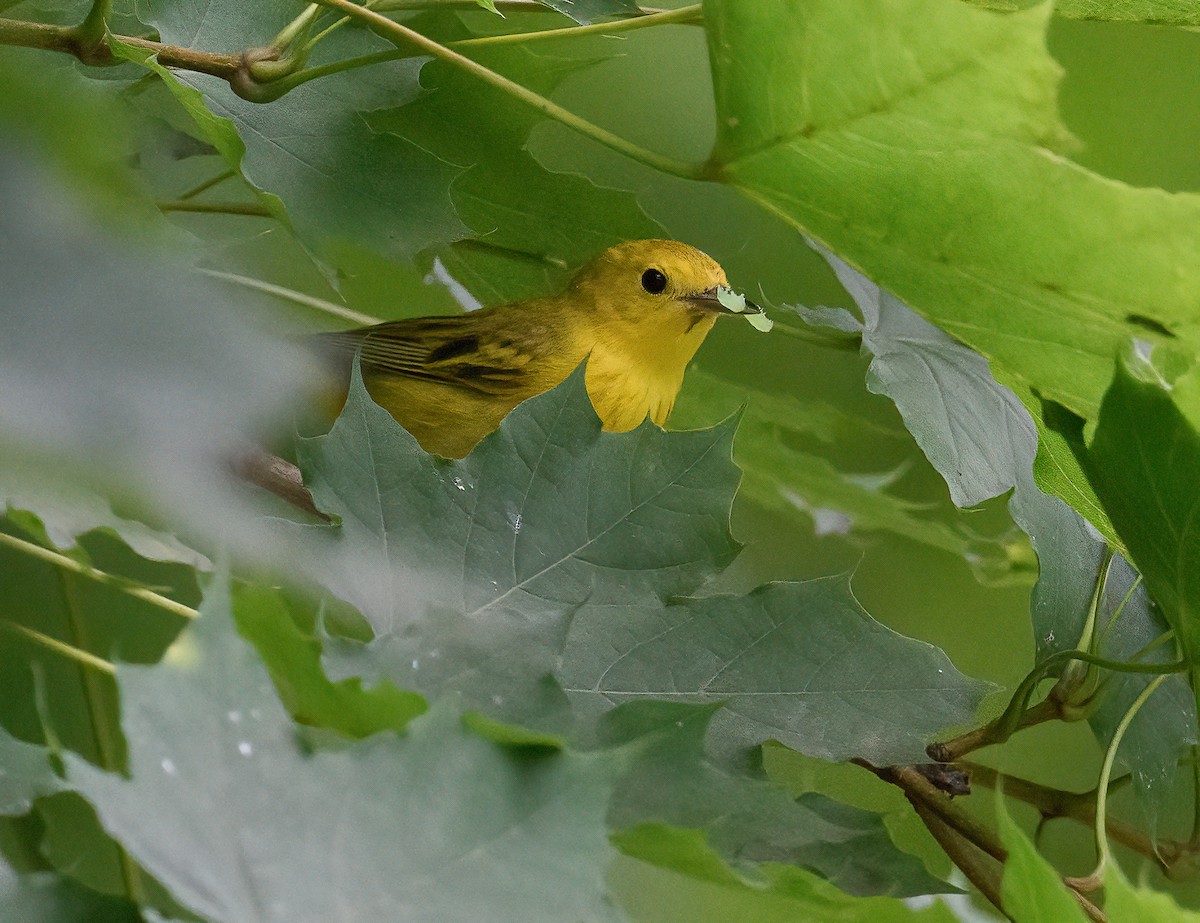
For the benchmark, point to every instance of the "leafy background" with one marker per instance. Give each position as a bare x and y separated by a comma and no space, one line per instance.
1020,179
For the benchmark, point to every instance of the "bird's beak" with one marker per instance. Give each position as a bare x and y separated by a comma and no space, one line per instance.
710,300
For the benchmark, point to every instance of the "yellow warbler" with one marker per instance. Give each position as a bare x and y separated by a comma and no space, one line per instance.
638,313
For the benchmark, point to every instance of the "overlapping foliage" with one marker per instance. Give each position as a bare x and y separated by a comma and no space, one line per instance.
547,664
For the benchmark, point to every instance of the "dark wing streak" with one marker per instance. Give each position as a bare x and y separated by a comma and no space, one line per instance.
411,349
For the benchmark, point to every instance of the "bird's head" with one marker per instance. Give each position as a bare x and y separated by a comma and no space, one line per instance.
657,290
649,305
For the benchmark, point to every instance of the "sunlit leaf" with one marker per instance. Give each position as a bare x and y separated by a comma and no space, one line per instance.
1172,12
1032,891
916,140
294,662
1131,903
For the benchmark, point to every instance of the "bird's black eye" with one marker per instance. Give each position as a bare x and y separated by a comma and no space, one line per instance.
654,281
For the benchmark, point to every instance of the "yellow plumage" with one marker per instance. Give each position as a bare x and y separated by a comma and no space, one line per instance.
638,312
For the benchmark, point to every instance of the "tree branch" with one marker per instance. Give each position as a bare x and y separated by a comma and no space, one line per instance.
1054,803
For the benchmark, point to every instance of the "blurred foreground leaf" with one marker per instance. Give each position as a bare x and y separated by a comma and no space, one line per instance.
223,807
43,897
25,774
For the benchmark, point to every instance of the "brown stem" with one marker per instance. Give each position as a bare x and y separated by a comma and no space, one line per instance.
917,787
973,847
278,476
981,869
69,40
1052,803
994,732
223,208
225,66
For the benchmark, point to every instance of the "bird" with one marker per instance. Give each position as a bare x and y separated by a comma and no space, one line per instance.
637,313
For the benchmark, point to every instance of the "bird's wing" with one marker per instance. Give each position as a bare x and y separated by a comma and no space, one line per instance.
449,350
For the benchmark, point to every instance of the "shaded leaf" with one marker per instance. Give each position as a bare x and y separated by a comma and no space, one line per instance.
58,516
223,807
531,226
339,177
146,384
555,549
588,11
714,892
981,439
780,475
1144,463
798,662
855,786
536,521
43,897
1159,734
77,846
749,821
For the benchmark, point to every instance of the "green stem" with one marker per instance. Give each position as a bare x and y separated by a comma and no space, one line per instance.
1110,756
82,657
1014,716
320,304
99,699
685,14
297,27
402,35
505,6
94,27
75,567
1054,803
208,184
1075,674
821,336
253,209
1120,608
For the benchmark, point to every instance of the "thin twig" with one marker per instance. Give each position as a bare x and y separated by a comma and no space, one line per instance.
75,567
252,209
402,35
1054,803
981,869
85,658
280,477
